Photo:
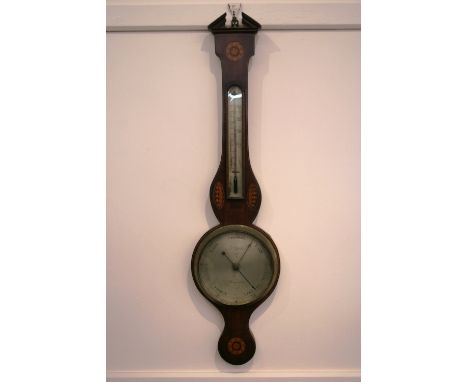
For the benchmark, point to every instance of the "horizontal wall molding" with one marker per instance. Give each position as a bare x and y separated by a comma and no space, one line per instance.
250,376
156,15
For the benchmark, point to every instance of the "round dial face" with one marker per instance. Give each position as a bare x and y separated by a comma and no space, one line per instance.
235,265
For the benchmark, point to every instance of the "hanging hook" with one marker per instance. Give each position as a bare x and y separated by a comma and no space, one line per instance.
234,8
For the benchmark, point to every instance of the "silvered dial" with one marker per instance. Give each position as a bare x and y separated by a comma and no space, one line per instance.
236,265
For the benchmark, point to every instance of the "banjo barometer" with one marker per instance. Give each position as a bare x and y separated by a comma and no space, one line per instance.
235,265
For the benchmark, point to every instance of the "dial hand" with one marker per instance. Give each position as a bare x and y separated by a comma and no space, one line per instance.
245,252
235,266
246,279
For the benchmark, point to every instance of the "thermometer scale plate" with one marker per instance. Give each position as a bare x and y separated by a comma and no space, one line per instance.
235,181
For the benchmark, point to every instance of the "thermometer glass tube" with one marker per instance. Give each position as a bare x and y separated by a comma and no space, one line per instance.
235,179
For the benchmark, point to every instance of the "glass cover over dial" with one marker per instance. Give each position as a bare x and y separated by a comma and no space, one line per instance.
236,265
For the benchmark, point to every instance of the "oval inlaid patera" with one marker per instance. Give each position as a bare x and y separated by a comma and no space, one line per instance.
236,345
234,51
252,195
218,195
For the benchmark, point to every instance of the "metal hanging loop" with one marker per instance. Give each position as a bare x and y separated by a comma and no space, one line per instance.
234,9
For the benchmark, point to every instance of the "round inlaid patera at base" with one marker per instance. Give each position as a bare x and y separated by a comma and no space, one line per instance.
236,346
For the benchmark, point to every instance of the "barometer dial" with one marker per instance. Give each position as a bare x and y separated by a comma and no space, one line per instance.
235,265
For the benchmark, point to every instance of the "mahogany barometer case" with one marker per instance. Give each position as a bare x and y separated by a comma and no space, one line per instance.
236,264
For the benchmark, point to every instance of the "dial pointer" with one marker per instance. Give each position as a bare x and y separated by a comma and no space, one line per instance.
246,279
244,252
235,266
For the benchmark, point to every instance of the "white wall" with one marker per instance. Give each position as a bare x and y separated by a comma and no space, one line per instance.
164,116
